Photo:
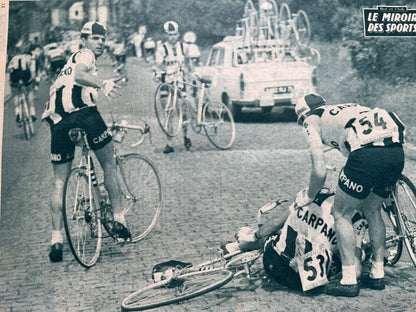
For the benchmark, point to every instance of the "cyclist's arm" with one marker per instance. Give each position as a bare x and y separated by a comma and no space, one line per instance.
317,154
268,228
83,77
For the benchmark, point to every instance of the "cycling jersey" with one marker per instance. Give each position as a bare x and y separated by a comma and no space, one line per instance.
66,96
21,67
306,243
350,126
167,54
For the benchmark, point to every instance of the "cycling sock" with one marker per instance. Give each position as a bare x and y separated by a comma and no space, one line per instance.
348,275
32,111
377,270
119,217
17,110
56,237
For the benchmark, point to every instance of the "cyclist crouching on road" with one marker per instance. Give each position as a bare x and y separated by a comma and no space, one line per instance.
73,104
371,139
22,67
300,243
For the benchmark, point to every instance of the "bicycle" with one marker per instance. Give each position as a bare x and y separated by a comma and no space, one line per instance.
183,281
176,281
294,28
172,103
399,210
25,120
85,204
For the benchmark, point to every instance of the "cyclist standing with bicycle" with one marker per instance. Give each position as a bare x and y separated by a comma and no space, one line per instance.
371,139
168,55
22,67
73,104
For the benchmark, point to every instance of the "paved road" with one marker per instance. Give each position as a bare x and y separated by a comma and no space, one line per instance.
208,195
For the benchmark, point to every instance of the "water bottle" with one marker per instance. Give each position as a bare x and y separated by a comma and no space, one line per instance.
118,137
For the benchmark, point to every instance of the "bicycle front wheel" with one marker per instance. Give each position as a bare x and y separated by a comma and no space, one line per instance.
168,109
218,124
81,215
405,198
141,191
179,288
26,120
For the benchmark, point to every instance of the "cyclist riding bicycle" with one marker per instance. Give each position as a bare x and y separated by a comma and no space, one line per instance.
371,139
300,243
22,69
168,56
73,104
56,59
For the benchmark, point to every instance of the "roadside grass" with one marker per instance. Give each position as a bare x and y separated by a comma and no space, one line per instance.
338,83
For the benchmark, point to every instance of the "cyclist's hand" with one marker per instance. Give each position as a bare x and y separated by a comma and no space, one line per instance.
246,234
110,88
247,239
302,198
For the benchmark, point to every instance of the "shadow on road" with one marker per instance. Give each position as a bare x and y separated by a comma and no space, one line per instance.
257,116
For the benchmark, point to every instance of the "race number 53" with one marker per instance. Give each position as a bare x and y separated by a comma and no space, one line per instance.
313,268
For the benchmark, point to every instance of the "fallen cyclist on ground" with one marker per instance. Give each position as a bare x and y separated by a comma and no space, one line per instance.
300,243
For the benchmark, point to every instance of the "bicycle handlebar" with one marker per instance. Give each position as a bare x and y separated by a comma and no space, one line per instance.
120,128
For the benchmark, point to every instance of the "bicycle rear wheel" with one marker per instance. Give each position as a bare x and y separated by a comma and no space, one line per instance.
168,109
218,124
405,199
141,193
303,28
81,215
183,287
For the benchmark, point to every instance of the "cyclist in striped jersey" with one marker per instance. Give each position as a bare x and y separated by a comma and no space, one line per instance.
73,104
372,140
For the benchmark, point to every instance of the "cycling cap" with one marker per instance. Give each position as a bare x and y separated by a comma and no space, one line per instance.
189,37
93,28
171,27
307,104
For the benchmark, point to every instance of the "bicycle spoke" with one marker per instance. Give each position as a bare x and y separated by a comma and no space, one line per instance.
141,194
81,214
405,198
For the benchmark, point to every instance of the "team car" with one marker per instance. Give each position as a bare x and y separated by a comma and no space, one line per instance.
263,68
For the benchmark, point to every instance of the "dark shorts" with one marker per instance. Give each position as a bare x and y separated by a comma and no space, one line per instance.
372,169
89,119
57,65
277,267
17,75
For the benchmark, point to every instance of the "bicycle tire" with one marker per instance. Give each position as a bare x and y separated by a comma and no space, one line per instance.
405,199
168,113
183,287
25,118
218,124
82,221
284,26
141,191
303,29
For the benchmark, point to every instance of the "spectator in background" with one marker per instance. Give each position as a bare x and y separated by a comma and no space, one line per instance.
120,54
137,41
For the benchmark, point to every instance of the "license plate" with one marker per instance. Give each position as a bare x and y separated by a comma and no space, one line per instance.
279,89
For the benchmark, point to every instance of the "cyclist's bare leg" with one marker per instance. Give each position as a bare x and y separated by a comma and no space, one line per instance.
61,171
107,161
371,208
31,101
343,209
